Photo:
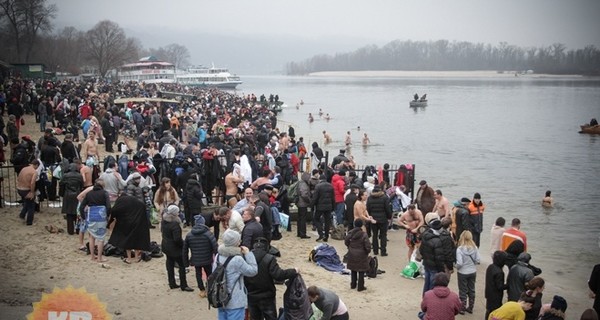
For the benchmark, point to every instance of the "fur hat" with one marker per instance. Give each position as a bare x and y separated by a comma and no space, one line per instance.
431,216
173,210
231,238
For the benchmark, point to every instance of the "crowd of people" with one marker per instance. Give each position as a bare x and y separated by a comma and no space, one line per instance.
219,161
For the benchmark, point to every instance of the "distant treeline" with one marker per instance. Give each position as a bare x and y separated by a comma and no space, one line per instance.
443,55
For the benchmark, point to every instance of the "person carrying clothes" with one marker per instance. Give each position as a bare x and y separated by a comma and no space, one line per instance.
359,247
329,303
378,206
494,283
242,264
467,259
203,246
261,287
172,246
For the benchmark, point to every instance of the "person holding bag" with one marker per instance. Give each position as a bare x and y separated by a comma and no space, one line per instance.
95,209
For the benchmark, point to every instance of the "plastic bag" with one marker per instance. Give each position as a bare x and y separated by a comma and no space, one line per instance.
285,220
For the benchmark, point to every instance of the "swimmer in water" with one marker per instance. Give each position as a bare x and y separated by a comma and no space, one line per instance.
547,201
320,112
365,140
358,128
310,117
327,117
326,137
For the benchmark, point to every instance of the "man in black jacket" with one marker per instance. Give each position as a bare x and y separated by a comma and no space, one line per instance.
252,229
378,206
437,250
324,201
261,287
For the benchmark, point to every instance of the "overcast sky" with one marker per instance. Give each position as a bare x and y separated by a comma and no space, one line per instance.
574,23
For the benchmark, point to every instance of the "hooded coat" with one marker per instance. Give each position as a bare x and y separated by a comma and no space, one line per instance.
172,242
494,283
440,303
193,196
359,248
72,183
304,195
467,259
261,286
132,229
202,244
323,197
518,275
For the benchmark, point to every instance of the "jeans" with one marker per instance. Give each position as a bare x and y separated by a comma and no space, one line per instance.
323,232
340,209
43,120
207,270
170,263
379,231
301,227
231,314
263,309
466,287
428,284
28,207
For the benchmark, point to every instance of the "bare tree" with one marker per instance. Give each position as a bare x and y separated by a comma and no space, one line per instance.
26,19
174,53
106,46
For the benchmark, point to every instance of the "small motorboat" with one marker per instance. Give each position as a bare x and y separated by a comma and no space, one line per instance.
418,103
586,128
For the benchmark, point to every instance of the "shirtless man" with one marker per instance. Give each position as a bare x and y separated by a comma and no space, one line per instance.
231,187
366,140
442,205
348,139
412,220
310,117
326,137
90,148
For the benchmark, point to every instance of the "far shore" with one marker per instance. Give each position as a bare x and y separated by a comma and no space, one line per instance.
444,74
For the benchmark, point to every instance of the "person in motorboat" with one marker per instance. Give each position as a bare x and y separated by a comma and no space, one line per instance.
423,98
416,96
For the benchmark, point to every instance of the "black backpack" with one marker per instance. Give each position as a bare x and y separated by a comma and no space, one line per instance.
218,294
20,156
373,265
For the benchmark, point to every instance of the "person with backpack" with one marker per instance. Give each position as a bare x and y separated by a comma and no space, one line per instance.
202,245
359,247
261,287
232,263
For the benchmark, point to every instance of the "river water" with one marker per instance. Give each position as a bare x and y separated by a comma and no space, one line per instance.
510,139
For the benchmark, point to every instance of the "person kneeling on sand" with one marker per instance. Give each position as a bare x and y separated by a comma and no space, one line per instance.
329,303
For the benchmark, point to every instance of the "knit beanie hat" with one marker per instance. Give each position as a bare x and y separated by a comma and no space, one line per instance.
231,238
358,223
173,210
199,219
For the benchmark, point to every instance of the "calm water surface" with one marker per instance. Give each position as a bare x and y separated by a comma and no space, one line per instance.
510,139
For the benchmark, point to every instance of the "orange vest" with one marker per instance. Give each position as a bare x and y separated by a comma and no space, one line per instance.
510,235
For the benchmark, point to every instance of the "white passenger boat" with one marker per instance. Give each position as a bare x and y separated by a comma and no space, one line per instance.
208,77
148,70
